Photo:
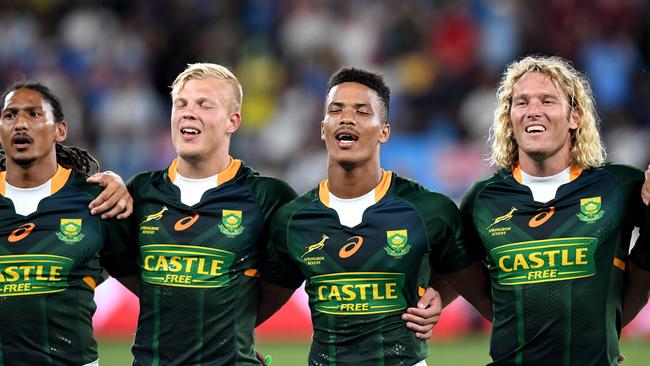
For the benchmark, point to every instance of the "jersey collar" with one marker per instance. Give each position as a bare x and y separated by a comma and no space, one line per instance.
223,176
380,190
58,180
574,172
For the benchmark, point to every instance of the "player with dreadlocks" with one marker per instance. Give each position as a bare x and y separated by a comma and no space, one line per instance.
52,250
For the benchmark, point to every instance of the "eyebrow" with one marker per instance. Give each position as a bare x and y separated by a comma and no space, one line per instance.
28,108
355,105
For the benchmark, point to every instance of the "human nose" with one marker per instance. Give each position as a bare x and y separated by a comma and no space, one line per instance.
21,122
347,117
188,112
534,108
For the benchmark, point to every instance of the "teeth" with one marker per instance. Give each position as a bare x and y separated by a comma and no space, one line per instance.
345,138
190,131
535,129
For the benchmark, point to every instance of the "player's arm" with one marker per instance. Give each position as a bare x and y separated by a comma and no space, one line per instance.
473,284
132,283
422,318
645,190
272,298
637,290
114,200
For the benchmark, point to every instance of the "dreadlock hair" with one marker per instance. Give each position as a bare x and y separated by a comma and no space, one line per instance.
69,157
372,80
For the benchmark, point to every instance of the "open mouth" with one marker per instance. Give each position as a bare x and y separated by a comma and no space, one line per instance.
190,131
346,137
535,129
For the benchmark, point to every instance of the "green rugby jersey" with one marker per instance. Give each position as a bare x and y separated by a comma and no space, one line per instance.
556,268
49,267
199,266
361,279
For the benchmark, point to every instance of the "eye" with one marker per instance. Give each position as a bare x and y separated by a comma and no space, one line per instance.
548,101
521,103
8,115
34,114
363,112
334,110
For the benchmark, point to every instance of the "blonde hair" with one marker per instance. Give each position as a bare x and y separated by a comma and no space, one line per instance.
587,150
200,71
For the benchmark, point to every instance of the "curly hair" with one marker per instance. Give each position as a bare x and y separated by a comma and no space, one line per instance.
587,150
69,157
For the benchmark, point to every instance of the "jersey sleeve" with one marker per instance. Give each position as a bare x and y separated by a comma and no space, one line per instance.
119,252
638,213
449,252
473,240
271,194
119,255
279,268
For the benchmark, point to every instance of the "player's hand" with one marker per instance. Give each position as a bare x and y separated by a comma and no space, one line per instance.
425,316
114,200
645,190
266,361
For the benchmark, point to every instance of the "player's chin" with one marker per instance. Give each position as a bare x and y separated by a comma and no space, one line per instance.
189,154
23,161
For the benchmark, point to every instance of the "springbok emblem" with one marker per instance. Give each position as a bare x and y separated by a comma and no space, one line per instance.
505,217
319,245
157,216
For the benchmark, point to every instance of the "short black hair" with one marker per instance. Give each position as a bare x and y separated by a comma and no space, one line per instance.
372,80
57,110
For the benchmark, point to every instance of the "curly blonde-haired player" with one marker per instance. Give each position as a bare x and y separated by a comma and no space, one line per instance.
554,223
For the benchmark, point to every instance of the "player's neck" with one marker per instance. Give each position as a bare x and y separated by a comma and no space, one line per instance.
202,168
352,183
544,167
32,176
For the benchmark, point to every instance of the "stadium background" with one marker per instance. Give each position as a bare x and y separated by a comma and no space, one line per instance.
111,62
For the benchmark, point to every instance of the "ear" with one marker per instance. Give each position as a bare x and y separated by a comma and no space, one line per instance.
574,118
322,130
233,122
384,133
61,131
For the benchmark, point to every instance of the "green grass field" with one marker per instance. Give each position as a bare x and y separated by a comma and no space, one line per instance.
464,352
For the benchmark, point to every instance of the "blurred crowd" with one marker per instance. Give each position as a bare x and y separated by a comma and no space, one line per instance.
112,62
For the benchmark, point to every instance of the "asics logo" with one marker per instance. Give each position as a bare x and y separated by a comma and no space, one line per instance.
21,232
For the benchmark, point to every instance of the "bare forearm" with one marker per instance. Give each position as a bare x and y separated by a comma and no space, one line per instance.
131,282
272,298
473,284
637,287
446,291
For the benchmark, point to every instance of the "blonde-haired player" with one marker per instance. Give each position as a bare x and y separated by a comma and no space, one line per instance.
558,263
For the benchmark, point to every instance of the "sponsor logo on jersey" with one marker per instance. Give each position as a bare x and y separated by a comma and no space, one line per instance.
186,222
33,274
590,209
148,229
497,231
21,232
350,247
70,232
545,260
541,218
185,265
314,260
398,245
357,293
231,223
